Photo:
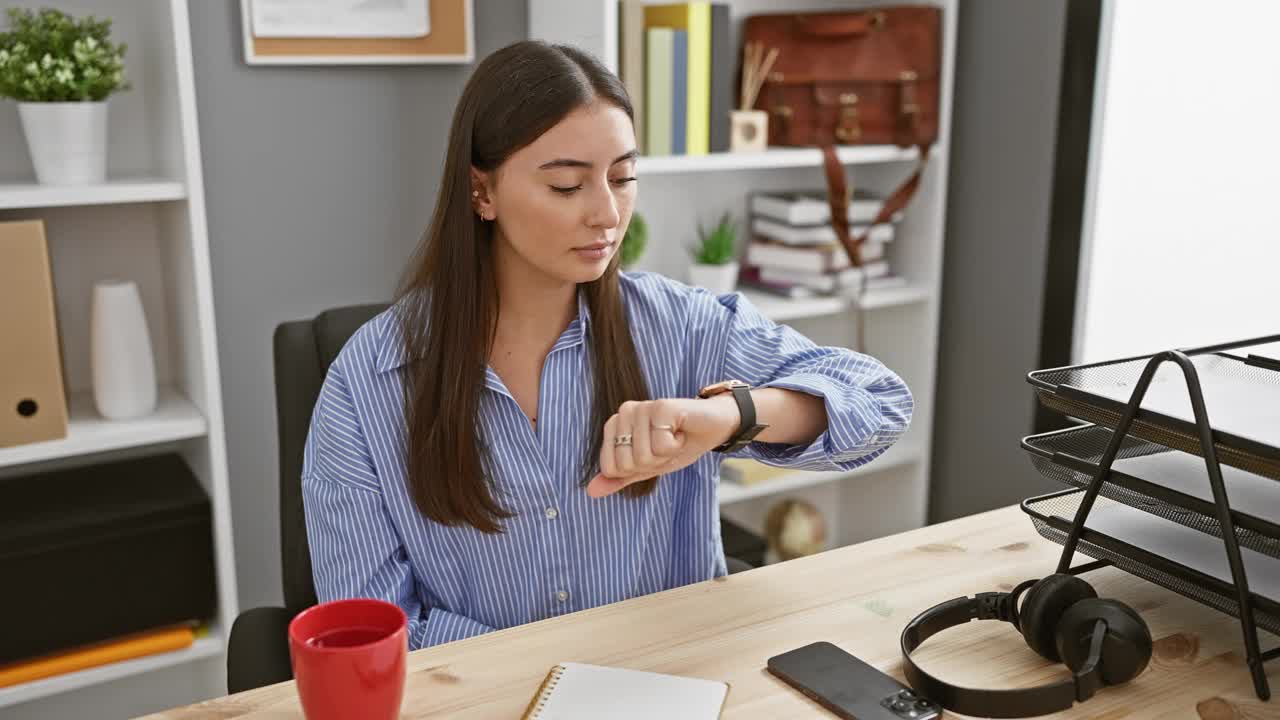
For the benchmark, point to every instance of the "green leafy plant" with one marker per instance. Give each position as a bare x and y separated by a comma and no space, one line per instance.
634,240
49,56
716,246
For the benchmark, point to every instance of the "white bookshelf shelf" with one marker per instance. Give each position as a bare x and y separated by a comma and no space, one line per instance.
894,297
175,418
771,158
132,190
202,648
895,456
780,309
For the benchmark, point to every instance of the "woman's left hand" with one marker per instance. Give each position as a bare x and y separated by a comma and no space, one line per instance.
666,435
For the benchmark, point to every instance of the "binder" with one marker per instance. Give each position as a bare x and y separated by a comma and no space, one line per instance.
33,405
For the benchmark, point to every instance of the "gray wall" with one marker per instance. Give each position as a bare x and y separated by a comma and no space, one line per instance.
319,181
1009,55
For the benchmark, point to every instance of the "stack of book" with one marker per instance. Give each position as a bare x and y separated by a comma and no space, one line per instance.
794,251
678,65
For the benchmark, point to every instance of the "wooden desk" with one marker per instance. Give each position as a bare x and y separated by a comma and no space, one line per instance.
858,597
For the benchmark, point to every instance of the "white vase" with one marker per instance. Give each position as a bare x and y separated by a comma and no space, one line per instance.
124,372
67,141
719,279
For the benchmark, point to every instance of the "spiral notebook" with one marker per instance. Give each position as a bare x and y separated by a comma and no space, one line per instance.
574,691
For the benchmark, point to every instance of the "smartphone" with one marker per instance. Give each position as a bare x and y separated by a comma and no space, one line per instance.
849,687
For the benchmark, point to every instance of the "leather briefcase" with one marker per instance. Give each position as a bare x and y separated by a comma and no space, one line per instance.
868,76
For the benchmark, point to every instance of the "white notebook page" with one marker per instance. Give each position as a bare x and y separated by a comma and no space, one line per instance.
591,692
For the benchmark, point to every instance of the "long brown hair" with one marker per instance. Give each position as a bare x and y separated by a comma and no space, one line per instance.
448,302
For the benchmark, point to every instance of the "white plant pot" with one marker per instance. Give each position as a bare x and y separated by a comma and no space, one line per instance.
719,279
67,141
124,372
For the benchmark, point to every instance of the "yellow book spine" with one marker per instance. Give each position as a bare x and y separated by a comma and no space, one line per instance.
695,19
134,646
698,122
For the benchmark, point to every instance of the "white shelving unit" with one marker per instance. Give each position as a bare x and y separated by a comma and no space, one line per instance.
771,159
781,309
146,224
201,649
31,195
679,192
898,455
175,418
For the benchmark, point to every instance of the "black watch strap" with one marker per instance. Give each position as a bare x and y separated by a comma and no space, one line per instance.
747,426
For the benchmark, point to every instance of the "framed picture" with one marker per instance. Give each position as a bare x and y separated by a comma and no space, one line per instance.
357,32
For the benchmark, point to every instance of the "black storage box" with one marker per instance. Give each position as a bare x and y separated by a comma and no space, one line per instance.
97,552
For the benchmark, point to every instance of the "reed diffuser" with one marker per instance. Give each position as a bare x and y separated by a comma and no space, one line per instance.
748,127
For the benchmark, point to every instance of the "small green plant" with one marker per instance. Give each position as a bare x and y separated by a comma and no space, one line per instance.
634,240
49,56
717,246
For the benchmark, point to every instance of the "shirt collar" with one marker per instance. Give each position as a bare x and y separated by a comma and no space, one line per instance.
576,332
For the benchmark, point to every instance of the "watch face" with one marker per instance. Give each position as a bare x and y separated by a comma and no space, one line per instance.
720,387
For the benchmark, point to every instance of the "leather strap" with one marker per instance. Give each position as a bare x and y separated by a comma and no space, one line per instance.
747,429
838,24
838,200
900,198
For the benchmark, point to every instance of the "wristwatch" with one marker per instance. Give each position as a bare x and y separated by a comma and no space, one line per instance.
748,428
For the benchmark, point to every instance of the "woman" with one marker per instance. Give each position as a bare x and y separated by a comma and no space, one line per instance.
520,436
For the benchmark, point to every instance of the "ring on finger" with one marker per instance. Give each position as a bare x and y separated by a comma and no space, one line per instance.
622,440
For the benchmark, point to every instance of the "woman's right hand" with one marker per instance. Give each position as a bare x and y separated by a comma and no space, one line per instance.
665,436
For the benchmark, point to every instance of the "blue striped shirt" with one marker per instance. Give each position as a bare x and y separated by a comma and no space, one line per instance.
563,551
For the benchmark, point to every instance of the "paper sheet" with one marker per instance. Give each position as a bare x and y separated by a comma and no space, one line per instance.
1248,493
1185,546
1235,404
340,18
590,692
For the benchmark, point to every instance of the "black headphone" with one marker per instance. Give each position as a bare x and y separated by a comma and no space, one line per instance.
1103,642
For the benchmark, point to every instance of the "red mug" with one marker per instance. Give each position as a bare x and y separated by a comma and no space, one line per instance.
348,659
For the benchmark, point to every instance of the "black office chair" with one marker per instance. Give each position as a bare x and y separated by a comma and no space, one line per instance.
258,649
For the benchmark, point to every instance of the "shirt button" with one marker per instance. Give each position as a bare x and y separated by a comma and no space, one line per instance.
563,595
552,513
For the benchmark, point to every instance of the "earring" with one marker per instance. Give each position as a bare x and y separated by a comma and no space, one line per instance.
475,193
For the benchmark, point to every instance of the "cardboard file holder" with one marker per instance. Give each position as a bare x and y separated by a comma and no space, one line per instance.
33,405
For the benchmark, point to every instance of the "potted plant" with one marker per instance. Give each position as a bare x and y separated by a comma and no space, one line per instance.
634,240
61,71
715,257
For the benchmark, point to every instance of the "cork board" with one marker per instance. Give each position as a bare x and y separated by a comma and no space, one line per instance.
450,40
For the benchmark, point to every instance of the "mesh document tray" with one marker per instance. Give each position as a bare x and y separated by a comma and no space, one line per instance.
1242,399
1187,562
1167,483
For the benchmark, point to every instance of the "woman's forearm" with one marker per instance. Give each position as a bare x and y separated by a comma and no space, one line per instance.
793,417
